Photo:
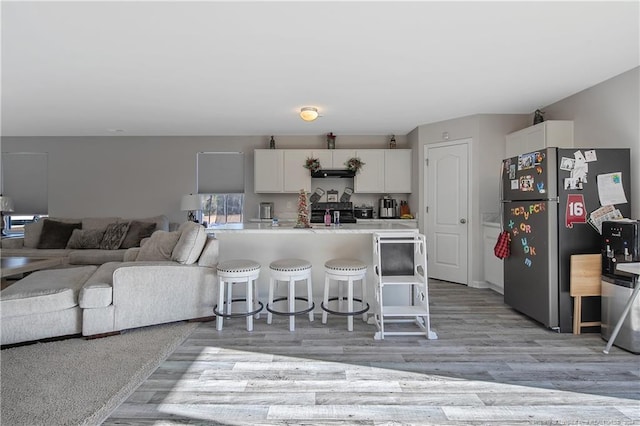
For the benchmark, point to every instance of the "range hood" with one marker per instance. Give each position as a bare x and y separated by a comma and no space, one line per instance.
333,173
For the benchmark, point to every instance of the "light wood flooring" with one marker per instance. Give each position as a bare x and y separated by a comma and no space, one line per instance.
490,365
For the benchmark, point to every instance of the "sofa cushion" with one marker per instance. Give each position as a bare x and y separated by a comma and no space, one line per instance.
95,256
98,222
114,235
97,291
136,232
44,291
193,237
159,246
209,255
161,221
85,239
55,234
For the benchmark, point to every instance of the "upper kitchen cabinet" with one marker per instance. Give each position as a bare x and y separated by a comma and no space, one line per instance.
268,171
384,171
397,171
282,170
296,176
552,133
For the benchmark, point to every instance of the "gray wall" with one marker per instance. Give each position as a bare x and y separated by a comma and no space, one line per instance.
487,133
607,116
143,176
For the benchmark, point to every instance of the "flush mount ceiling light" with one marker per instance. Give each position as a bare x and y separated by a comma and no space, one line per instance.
309,113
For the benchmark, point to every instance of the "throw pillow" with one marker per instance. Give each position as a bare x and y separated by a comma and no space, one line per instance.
55,235
85,239
159,246
193,237
113,236
137,231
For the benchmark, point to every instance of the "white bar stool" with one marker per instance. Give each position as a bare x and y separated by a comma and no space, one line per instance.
237,271
290,270
345,271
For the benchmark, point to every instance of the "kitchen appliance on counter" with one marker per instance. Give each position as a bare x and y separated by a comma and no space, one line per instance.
548,197
620,244
387,208
363,212
345,212
266,211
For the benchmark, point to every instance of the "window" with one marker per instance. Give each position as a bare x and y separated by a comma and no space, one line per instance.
221,187
219,209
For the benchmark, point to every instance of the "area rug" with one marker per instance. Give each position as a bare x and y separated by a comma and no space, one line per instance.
77,381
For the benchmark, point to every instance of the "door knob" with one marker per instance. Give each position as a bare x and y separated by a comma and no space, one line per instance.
463,220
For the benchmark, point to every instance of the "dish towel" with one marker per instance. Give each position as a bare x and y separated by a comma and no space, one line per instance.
502,248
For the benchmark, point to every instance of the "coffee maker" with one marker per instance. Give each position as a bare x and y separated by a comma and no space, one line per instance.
387,208
620,244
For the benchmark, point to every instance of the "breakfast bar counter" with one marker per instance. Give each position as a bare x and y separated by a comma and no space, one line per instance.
264,244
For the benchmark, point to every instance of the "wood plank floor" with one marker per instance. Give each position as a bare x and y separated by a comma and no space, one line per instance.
490,365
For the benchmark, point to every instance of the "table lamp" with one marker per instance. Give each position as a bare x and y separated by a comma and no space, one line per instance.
6,205
190,203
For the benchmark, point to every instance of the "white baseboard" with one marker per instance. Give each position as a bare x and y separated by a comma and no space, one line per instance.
485,284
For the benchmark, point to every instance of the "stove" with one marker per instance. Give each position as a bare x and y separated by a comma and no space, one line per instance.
345,209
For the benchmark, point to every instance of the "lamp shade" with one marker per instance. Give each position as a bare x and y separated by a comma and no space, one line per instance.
309,113
6,204
190,202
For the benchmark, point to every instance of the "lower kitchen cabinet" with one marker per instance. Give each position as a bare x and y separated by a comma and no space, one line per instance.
493,273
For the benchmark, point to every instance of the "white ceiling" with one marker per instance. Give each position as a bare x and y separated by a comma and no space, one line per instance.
246,68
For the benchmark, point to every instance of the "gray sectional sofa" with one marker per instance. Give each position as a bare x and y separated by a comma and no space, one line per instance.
171,277
79,248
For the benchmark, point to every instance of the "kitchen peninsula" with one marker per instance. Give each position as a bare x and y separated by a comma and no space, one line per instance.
265,243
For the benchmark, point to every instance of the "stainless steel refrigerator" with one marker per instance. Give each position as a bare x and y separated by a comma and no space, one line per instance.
549,199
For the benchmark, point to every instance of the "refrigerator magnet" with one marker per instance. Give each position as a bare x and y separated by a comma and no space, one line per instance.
512,172
514,184
590,156
526,183
572,183
575,210
567,163
526,161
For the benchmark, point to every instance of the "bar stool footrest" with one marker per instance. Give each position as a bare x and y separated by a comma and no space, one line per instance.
301,312
238,314
345,314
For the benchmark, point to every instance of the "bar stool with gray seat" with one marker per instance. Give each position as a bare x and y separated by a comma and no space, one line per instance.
232,272
345,271
291,271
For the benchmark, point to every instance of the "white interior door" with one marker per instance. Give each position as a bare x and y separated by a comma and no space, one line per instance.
447,181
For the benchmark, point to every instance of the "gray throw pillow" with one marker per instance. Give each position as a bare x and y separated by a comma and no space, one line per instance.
85,239
114,235
55,235
137,231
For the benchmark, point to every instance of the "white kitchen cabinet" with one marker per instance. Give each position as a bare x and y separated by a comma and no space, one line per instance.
384,171
268,172
370,178
397,171
552,133
283,171
296,176
493,273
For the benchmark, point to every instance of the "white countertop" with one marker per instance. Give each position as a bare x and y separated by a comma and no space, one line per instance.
288,227
633,267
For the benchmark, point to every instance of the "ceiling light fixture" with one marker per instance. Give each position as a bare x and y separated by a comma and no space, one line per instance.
309,113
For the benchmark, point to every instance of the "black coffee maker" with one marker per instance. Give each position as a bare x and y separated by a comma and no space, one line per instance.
620,244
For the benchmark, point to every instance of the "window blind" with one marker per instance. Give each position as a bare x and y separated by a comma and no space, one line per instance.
220,172
24,179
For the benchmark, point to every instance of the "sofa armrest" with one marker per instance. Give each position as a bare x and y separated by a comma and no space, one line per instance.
156,292
13,243
131,254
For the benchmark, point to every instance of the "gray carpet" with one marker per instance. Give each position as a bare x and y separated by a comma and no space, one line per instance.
77,381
